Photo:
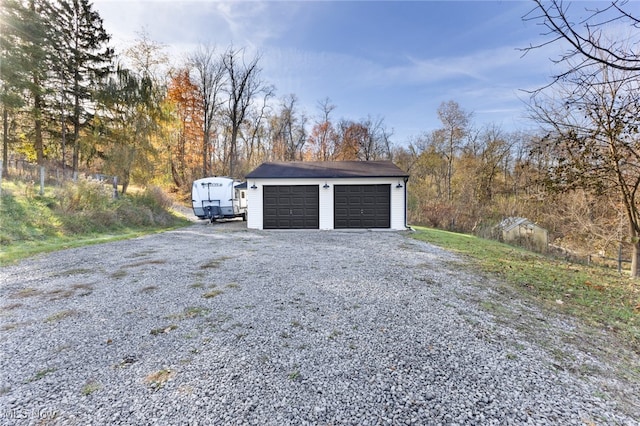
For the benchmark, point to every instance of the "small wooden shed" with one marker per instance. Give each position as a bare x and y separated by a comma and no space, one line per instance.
521,231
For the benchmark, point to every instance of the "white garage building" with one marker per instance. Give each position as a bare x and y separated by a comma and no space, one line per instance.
327,195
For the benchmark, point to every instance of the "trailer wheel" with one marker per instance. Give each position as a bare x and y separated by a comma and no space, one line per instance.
244,216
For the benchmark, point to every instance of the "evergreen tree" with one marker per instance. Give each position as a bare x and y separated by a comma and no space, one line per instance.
24,46
83,59
13,79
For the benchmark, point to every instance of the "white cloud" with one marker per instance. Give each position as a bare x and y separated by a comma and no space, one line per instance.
246,23
406,92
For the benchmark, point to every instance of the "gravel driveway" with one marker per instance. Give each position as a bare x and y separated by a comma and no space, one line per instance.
215,324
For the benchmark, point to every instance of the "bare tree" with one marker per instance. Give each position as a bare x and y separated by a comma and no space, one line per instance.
487,151
254,140
593,126
376,143
243,86
455,126
148,58
288,133
591,38
323,137
208,74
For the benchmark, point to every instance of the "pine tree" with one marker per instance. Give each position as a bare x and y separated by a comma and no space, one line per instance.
24,46
83,59
13,78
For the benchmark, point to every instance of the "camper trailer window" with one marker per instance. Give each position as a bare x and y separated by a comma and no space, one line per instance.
211,184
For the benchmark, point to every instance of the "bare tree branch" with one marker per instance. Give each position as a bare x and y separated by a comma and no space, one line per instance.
588,37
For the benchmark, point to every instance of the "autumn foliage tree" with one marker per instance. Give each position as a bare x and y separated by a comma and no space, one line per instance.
323,138
351,136
322,142
185,141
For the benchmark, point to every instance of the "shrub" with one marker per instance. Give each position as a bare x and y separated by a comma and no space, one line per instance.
78,208
83,195
155,196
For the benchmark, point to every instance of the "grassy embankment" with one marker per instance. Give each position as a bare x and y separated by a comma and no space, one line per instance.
599,296
76,215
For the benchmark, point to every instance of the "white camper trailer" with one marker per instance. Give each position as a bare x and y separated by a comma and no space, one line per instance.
219,198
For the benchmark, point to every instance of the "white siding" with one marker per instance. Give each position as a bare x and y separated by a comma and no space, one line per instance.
254,199
254,206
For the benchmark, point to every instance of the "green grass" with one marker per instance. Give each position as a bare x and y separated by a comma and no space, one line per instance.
601,297
41,374
295,374
75,215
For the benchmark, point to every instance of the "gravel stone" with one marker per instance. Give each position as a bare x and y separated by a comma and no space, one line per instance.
217,324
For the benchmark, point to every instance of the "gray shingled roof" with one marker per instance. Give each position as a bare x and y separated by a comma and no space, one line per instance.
327,169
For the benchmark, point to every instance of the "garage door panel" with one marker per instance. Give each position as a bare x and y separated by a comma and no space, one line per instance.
297,212
362,206
283,200
299,202
291,207
369,201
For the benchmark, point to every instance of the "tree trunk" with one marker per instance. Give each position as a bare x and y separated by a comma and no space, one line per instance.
635,261
38,145
125,181
205,153
232,150
76,132
5,143
64,145
177,180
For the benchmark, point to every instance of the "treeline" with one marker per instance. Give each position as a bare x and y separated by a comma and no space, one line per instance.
468,179
70,102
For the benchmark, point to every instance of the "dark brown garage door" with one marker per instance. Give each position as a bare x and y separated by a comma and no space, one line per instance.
291,207
362,206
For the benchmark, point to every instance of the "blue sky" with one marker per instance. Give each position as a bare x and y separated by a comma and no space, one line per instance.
392,60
